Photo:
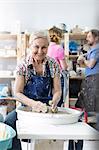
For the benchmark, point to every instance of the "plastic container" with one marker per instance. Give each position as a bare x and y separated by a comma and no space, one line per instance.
6,141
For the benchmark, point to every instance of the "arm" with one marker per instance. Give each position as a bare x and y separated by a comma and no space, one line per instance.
63,64
90,63
61,58
19,87
57,91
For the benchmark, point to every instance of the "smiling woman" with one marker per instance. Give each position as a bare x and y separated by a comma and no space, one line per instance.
39,45
39,49
37,80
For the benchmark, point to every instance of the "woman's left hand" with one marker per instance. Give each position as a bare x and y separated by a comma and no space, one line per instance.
53,105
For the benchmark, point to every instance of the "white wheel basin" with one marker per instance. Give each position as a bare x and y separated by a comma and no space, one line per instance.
64,116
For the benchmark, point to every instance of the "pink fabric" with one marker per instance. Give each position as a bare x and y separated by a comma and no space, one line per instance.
56,51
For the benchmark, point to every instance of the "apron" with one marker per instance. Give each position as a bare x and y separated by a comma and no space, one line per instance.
89,94
39,88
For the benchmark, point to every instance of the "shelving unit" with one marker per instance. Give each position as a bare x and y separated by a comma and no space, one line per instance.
22,45
8,61
7,77
70,36
8,46
12,49
77,79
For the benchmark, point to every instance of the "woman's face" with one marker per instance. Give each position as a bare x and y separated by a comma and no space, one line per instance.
39,48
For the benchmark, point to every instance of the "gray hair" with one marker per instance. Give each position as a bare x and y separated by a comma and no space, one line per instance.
39,34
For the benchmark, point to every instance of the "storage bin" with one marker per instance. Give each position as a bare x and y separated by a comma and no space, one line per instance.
6,141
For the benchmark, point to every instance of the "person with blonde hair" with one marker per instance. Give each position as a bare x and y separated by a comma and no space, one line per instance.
37,80
56,51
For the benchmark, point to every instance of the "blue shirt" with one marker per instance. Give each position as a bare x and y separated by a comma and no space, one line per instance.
93,53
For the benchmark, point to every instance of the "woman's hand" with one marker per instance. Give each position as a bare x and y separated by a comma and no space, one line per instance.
39,107
53,105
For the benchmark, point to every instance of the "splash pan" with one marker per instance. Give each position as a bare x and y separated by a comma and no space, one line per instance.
64,116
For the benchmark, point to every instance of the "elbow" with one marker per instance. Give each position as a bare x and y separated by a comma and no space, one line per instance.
90,66
16,93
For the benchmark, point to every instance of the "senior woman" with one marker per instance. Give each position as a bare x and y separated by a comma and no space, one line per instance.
37,80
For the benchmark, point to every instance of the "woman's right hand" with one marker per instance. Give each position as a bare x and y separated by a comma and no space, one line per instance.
39,107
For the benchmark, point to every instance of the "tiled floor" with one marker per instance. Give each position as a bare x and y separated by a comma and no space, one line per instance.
58,145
